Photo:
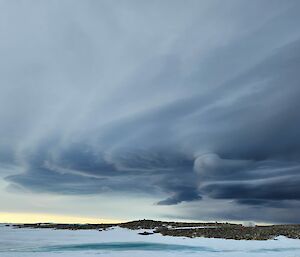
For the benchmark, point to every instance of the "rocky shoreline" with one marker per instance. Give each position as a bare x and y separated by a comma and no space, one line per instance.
184,229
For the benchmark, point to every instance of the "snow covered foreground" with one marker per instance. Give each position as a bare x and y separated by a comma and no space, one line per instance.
123,242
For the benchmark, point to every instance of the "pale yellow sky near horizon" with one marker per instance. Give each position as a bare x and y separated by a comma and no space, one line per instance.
11,217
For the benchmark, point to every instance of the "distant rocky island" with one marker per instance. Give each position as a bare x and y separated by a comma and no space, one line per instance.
186,229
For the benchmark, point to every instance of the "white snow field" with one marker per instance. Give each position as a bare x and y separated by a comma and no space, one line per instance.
127,243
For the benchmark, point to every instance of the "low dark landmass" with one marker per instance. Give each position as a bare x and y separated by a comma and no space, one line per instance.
184,229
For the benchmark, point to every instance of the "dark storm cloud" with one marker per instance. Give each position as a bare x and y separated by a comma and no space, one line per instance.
78,169
182,194
195,100
286,188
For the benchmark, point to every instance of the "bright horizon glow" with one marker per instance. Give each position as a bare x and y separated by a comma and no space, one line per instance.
11,217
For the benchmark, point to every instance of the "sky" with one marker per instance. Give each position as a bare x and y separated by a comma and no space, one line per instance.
163,109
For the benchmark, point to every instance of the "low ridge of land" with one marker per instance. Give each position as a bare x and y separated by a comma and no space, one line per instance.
184,229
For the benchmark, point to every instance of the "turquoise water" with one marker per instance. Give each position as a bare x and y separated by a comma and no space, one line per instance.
122,246
136,246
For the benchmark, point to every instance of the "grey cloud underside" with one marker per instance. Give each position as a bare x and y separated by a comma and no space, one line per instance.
193,113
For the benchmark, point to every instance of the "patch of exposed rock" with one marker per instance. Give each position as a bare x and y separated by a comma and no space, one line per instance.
184,229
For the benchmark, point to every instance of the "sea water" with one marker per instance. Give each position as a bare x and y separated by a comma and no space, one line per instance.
123,242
